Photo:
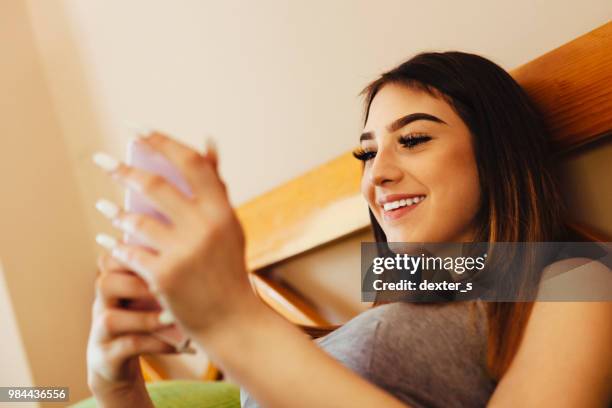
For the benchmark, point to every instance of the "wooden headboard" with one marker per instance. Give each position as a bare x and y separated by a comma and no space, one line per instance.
572,87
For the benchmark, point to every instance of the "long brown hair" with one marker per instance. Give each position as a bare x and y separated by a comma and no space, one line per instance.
520,196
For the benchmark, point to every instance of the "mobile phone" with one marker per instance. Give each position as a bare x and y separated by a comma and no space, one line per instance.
145,158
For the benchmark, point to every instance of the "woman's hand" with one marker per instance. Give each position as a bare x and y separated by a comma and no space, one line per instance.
118,336
197,268
197,263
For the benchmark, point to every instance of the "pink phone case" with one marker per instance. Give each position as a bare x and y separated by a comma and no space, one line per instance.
138,155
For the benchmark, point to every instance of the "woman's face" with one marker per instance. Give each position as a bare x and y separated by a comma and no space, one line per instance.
420,176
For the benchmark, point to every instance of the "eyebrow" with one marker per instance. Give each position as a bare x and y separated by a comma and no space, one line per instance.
403,121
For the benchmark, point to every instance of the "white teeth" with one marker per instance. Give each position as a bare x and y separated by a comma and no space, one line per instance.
402,203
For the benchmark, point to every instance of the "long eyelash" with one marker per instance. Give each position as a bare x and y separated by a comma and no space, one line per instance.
363,155
412,139
409,141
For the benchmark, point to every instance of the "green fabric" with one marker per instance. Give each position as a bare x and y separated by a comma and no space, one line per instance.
186,394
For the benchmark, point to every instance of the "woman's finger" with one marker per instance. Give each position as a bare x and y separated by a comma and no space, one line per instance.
146,229
163,195
211,152
135,344
115,286
199,170
107,263
122,348
117,322
187,160
135,258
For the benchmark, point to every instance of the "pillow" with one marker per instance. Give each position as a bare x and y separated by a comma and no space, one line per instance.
186,394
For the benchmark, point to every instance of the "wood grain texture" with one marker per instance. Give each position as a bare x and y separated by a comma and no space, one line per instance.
319,206
571,85
151,369
288,304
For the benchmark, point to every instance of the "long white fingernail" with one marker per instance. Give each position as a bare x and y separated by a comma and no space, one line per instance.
108,208
106,241
166,317
106,161
119,254
210,146
125,225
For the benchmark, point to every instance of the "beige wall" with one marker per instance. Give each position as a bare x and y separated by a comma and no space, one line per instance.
275,81
585,182
15,368
45,248
263,76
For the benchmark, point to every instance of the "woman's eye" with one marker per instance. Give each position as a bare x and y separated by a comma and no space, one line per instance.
411,141
363,155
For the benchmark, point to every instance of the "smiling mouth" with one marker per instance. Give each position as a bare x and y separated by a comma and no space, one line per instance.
395,205
397,209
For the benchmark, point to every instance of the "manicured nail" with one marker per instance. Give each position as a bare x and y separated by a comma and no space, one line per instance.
125,225
108,208
210,146
105,161
188,350
166,317
119,254
106,241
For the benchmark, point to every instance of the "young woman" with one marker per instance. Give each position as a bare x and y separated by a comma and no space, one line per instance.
454,140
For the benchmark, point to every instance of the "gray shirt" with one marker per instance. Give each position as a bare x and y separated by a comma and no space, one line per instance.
426,355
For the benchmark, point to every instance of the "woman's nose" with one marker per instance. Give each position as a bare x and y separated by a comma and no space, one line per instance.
384,169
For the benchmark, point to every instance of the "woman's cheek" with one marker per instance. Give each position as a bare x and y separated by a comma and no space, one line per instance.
367,191
459,210
458,192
